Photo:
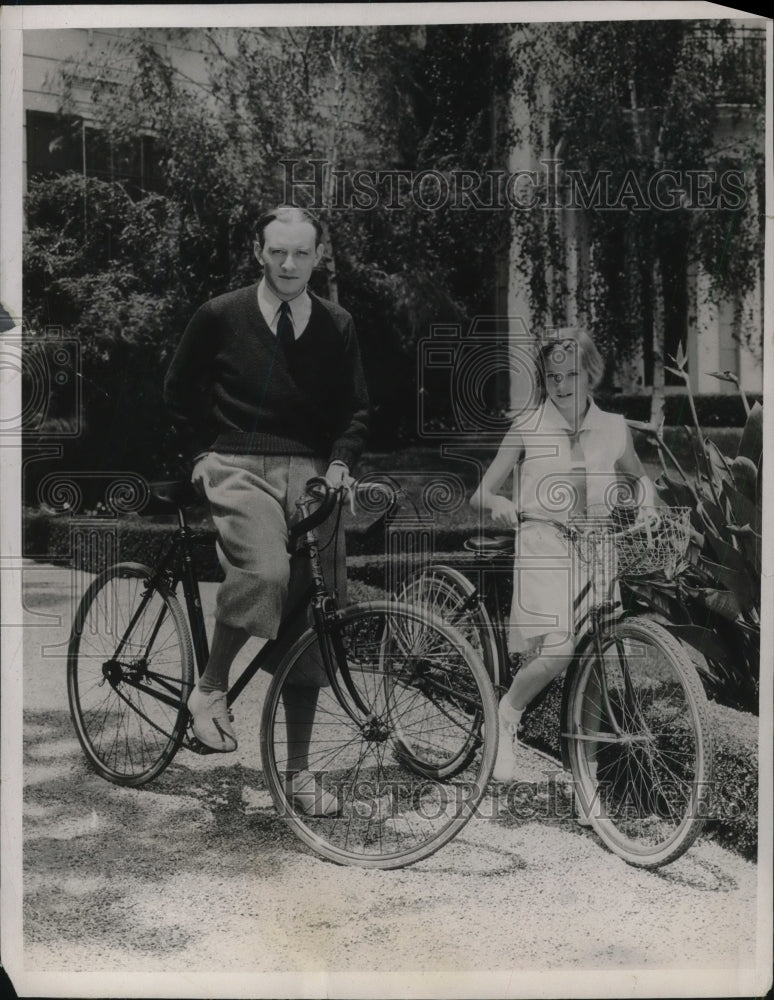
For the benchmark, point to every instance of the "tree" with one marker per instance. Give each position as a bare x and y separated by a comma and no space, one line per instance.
134,265
629,101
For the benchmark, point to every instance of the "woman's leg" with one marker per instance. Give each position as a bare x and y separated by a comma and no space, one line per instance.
537,673
530,680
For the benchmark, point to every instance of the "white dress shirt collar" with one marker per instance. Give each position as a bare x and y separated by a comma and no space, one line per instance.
269,304
592,420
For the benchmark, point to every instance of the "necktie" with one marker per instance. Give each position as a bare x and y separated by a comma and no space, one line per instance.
285,335
578,476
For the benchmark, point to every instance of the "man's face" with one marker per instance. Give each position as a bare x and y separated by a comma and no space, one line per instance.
288,256
567,381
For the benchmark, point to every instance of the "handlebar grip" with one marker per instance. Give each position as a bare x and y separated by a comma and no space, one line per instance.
319,489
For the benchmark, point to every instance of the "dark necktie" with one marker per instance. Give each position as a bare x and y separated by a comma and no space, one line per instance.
578,476
285,335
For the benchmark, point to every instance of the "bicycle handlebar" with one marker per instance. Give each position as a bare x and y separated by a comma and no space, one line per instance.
619,531
320,489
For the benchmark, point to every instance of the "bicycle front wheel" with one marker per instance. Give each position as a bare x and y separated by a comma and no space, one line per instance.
640,743
400,676
129,674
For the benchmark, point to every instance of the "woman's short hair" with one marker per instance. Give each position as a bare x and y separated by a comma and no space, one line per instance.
566,337
288,213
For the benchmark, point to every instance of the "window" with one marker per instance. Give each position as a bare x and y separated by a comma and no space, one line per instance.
57,144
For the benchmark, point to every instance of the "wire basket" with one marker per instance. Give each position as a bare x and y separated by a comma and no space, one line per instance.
656,543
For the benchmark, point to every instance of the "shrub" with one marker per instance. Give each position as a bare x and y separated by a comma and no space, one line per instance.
715,598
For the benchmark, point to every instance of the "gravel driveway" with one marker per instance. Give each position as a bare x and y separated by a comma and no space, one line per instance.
197,873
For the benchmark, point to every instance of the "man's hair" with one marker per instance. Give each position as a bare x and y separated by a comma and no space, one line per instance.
571,338
288,213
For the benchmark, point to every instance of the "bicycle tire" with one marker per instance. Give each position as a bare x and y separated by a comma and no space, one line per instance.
402,661
454,598
457,601
642,768
128,705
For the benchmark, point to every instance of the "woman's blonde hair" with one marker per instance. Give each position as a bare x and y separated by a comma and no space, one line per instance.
565,337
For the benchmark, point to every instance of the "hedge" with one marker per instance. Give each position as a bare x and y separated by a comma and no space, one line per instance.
83,543
717,409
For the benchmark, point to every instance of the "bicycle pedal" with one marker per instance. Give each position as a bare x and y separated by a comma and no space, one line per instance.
197,746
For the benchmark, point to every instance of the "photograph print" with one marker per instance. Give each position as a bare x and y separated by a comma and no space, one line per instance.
385,608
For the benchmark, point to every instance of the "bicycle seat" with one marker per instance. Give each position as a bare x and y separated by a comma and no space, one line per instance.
169,495
489,543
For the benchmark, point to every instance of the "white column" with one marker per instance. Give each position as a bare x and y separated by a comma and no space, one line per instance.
707,335
750,345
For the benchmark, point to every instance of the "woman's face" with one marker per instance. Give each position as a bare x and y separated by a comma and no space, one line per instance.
567,381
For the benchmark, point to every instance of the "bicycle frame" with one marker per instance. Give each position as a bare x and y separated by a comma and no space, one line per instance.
490,593
176,567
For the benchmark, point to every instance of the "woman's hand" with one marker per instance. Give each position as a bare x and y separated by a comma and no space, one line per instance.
505,514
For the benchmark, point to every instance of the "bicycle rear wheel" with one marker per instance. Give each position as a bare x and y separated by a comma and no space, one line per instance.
450,595
413,681
455,599
129,674
640,743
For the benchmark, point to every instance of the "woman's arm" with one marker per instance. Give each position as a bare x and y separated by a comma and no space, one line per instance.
504,512
630,467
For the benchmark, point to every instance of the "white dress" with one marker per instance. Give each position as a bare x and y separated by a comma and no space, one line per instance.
558,477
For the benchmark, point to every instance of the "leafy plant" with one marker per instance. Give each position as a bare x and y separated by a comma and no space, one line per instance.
714,603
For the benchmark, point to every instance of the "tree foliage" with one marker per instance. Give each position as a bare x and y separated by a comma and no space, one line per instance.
116,269
623,101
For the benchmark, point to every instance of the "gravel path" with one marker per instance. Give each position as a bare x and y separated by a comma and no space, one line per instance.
197,872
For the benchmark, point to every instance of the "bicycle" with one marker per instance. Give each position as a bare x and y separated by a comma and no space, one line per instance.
635,730
389,668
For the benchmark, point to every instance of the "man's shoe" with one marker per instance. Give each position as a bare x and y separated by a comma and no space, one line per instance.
212,720
309,797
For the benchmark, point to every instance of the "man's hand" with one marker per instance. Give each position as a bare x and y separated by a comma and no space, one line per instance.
505,514
338,475
197,475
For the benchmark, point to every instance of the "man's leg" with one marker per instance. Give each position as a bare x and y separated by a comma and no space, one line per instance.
246,496
226,643
300,705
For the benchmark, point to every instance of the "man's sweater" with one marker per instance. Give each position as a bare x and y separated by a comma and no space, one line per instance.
230,388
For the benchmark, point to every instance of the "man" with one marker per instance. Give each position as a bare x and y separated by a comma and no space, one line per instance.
268,389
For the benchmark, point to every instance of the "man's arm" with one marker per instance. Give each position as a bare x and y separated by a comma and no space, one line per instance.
356,407
188,382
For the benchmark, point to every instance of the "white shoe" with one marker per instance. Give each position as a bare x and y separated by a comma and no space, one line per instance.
505,761
212,720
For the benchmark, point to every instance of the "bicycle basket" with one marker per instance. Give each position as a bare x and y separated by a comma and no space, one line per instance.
656,543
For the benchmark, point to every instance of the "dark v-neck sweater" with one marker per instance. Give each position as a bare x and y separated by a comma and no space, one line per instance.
231,389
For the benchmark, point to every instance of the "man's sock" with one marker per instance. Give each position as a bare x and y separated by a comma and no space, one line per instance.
226,643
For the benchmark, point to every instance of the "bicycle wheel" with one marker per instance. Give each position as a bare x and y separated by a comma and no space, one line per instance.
412,681
457,601
450,595
129,674
640,743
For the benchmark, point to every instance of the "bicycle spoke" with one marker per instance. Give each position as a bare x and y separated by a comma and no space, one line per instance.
389,814
640,743
129,670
